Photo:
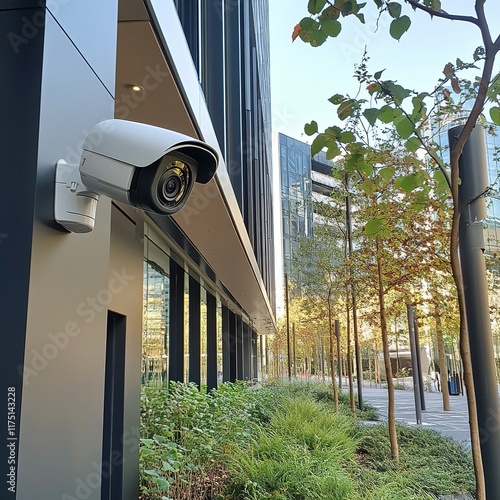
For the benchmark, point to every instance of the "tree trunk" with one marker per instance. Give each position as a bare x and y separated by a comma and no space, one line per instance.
377,366
348,360
332,356
442,361
391,414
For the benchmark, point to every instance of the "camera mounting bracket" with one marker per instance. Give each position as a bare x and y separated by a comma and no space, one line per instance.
74,205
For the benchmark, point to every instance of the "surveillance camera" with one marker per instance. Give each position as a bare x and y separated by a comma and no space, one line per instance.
151,168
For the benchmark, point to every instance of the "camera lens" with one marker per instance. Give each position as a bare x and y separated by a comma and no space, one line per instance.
172,187
174,183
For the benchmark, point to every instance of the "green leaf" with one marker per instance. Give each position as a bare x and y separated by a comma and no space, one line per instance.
347,137
329,13
495,115
404,127
333,151
309,31
378,3
373,226
311,128
307,23
408,183
316,6
413,144
394,9
399,27
345,109
398,92
368,186
162,483
367,168
318,144
147,442
331,27
318,37
333,133
418,108
442,185
371,115
378,74
336,99
167,467
387,173
386,114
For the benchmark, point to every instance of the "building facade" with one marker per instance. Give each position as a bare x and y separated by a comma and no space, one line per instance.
304,182
447,118
143,298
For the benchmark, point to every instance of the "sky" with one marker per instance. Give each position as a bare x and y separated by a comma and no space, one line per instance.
304,77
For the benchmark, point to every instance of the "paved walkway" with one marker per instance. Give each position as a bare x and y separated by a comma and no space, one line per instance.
454,423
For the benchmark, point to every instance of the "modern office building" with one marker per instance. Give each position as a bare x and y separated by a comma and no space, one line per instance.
143,297
304,181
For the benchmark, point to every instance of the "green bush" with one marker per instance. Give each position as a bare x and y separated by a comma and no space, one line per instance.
284,441
299,454
184,432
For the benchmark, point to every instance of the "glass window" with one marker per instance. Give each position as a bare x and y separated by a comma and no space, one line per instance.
155,329
203,336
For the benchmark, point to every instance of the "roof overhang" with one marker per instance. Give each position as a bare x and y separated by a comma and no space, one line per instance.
153,53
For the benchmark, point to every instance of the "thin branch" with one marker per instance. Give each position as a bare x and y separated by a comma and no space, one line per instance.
483,24
441,13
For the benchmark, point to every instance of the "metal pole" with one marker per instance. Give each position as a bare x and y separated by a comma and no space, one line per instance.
288,329
414,364
419,364
357,352
474,183
294,351
339,356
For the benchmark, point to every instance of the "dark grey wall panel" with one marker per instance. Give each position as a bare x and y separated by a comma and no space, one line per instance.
70,291
19,107
21,4
126,259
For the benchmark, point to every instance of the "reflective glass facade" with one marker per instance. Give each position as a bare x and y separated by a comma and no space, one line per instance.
304,181
186,311
229,41
492,142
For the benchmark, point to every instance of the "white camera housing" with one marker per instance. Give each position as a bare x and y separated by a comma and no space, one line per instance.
148,167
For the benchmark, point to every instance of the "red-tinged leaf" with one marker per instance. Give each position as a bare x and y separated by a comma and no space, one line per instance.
448,70
345,109
455,86
296,32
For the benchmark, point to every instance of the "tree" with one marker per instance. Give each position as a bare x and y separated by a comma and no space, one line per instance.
319,262
407,112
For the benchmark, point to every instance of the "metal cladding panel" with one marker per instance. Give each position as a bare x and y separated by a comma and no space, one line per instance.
91,26
69,292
